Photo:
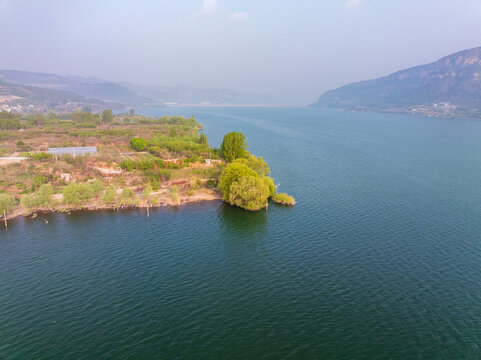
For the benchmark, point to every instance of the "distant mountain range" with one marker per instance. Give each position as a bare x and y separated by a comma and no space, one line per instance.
42,91
450,86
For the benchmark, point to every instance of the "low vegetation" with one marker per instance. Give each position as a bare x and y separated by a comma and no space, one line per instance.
140,161
283,199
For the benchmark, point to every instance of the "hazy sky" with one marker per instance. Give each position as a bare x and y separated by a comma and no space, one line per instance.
293,50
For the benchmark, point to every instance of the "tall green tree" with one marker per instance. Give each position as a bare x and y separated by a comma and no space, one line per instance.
234,146
107,116
203,139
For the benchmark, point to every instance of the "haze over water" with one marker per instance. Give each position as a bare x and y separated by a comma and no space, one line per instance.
380,258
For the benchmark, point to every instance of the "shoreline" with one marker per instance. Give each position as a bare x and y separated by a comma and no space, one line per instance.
183,200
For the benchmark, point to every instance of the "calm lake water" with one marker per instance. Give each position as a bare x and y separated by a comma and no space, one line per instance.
380,258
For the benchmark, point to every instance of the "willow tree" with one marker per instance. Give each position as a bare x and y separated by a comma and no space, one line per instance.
249,192
232,173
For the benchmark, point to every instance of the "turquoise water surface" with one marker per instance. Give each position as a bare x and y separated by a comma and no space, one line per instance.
380,258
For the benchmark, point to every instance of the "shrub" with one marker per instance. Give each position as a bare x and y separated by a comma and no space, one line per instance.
138,144
76,194
43,197
146,192
173,132
109,195
107,116
7,203
41,156
128,165
174,194
38,180
283,199
97,187
127,197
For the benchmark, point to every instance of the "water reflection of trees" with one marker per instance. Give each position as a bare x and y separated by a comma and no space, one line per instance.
237,223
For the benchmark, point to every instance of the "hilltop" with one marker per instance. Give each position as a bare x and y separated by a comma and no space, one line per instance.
69,93
450,86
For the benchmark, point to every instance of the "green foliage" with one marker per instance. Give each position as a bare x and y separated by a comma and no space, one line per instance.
101,133
76,194
256,163
138,144
233,146
97,187
86,117
128,165
41,198
173,132
7,203
146,192
38,180
270,184
249,192
127,197
109,195
203,139
174,193
9,121
283,199
20,143
107,116
41,156
232,173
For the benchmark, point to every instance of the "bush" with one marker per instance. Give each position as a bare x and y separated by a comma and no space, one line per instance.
38,180
107,116
76,194
174,194
173,132
283,199
249,192
109,195
128,165
41,156
43,197
138,144
127,197
7,203
146,192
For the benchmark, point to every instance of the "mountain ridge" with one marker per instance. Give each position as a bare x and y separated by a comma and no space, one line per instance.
448,86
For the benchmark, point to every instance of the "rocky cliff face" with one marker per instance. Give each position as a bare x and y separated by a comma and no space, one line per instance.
453,80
